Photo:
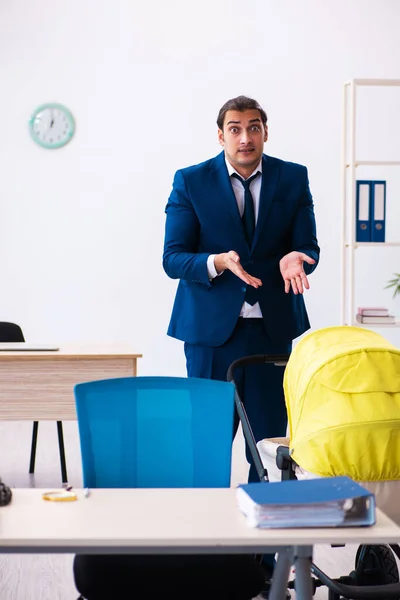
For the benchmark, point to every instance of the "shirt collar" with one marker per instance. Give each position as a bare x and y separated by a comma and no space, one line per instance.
232,170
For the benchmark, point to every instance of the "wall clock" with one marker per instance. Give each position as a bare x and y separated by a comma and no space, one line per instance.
51,125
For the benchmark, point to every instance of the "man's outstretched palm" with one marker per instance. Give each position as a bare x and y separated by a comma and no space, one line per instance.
292,271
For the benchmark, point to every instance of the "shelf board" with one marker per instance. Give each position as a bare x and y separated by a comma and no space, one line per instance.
371,244
376,325
375,163
383,82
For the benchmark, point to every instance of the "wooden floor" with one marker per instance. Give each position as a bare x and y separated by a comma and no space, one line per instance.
49,577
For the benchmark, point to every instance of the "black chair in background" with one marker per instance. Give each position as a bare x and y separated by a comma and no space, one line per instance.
11,332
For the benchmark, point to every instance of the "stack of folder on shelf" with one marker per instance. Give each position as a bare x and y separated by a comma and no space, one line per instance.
329,502
371,211
374,316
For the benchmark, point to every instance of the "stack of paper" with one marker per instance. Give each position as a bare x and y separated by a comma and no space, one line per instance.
329,502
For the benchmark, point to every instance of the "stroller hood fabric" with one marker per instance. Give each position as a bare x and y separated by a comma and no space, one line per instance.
342,392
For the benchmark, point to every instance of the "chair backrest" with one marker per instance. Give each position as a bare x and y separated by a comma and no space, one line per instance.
155,432
10,332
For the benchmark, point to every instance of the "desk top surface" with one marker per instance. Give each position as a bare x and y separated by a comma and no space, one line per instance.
74,351
144,520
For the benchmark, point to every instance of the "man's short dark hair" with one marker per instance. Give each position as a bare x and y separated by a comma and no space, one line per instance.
241,103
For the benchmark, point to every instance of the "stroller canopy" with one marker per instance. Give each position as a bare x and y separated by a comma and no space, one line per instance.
342,392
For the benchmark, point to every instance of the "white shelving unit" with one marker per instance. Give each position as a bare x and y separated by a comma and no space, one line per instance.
349,245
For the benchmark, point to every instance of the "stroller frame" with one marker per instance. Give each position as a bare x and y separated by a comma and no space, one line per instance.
343,587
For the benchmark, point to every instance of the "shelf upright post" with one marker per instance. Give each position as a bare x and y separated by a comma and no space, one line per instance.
343,247
352,212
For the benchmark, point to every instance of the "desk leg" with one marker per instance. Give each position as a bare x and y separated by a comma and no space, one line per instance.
64,476
302,564
281,575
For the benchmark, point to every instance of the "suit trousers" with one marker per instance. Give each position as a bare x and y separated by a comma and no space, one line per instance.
260,387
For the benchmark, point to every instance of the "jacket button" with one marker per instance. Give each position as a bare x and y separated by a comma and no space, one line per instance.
244,289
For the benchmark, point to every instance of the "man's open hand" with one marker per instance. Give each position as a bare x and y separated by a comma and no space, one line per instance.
231,261
292,271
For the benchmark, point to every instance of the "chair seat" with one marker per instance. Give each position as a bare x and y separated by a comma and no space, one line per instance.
215,577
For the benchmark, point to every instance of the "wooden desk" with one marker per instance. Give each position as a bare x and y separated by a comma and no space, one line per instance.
38,386
143,521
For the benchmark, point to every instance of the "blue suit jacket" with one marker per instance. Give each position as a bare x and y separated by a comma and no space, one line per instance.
203,219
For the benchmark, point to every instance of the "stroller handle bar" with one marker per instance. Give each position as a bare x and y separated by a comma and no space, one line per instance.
280,360
277,359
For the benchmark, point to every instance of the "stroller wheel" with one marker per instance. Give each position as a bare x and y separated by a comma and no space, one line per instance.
376,565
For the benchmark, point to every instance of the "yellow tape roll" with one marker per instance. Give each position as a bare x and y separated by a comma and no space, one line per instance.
60,496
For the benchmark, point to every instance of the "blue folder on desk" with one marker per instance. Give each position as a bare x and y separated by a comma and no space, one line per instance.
328,502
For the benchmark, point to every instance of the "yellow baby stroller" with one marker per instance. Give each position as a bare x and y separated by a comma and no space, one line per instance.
342,392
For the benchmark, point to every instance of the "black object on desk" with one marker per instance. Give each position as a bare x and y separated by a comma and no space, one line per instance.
5,494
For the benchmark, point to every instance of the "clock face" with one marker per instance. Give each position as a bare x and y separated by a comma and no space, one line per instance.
52,125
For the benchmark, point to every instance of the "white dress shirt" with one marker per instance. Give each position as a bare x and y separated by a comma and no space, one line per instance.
247,311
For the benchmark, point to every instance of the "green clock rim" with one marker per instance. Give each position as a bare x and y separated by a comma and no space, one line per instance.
67,113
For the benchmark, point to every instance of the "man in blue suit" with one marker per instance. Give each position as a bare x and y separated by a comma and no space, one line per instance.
241,238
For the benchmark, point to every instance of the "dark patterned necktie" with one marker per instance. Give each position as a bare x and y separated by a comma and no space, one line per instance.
249,226
248,217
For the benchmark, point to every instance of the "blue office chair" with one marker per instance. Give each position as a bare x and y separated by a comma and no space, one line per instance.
160,432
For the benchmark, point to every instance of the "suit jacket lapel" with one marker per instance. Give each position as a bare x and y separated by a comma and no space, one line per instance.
270,173
224,190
